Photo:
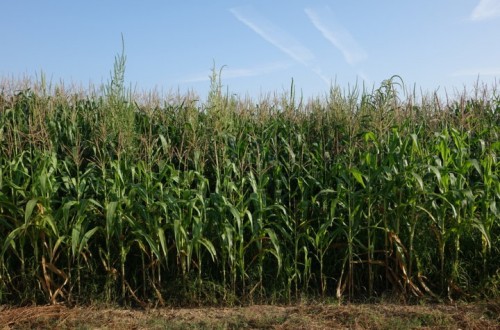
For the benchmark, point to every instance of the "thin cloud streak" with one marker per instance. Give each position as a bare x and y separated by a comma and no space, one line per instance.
279,39
319,72
364,77
273,34
240,72
486,9
336,34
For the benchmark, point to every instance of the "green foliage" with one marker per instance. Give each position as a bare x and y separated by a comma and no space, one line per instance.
356,195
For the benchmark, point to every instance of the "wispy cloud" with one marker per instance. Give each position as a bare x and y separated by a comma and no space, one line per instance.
361,74
486,9
319,72
230,73
273,34
335,33
484,72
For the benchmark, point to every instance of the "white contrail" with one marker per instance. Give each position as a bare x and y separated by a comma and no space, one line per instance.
274,35
336,34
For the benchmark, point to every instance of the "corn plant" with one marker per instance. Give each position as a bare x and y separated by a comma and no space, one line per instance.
105,196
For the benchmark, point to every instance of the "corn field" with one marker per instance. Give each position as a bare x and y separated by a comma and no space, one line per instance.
107,196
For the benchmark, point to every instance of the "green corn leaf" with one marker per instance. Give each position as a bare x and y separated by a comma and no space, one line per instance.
358,176
276,251
110,216
163,241
419,180
209,246
29,209
76,232
85,239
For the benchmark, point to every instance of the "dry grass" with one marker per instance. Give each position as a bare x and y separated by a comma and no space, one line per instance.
377,316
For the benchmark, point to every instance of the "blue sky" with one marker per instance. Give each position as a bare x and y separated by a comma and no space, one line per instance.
262,44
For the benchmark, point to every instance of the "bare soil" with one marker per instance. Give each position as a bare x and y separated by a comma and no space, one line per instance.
484,315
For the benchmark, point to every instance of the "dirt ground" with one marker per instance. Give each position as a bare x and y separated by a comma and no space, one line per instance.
484,315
